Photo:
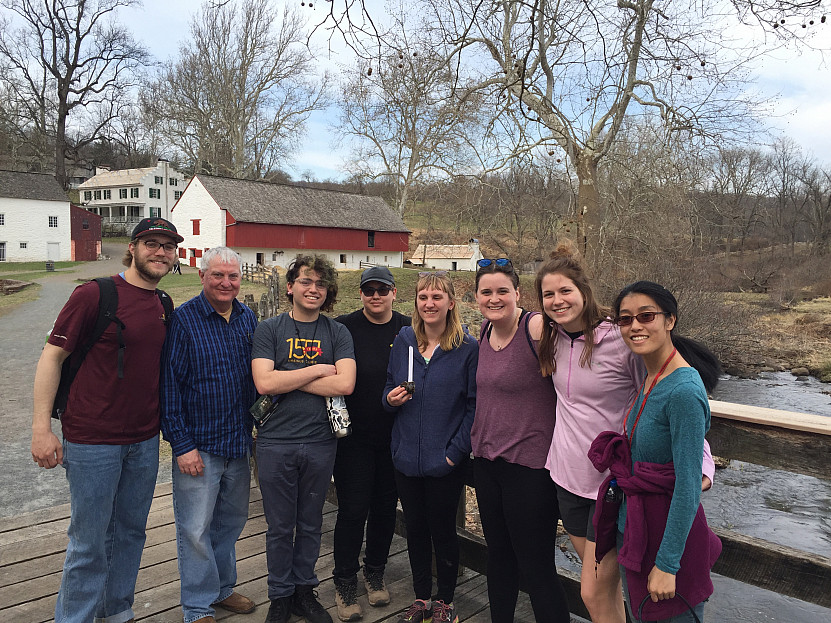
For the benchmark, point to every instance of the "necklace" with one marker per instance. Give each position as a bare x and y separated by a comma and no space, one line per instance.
643,404
307,348
506,341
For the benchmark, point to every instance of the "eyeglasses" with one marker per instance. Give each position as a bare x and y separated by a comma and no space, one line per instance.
500,261
643,318
308,283
437,273
153,245
381,290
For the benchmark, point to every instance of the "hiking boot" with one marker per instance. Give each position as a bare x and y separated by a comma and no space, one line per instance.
376,589
279,611
306,605
420,612
346,599
444,613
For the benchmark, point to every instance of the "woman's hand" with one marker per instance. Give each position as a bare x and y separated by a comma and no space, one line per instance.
398,396
449,462
660,584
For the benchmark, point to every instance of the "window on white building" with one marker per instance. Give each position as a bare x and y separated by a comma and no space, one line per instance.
97,194
155,193
159,179
23,245
135,211
108,194
134,193
174,181
87,195
343,258
53,221
177,194
155,212
2,219
122,193
2,251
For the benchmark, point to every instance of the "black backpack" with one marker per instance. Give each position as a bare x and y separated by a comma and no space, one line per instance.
107,308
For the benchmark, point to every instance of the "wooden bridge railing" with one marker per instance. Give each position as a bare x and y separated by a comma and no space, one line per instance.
783,440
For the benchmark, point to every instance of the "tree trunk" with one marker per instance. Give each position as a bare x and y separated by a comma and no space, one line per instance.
588,210
60,148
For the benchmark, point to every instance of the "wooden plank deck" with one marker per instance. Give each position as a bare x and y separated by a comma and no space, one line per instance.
32,552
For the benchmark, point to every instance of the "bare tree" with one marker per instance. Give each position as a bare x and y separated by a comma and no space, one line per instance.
404,116
236,99
67,57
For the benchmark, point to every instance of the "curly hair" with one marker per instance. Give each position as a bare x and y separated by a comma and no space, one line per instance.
323,267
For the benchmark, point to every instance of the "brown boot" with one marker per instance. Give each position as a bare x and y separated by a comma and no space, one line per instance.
240,604
376,589
346,599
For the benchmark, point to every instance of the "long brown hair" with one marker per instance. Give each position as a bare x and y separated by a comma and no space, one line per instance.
453,333
564,261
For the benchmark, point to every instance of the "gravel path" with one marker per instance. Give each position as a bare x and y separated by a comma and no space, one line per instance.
25,486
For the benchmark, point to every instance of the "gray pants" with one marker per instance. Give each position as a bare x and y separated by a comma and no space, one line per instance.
294,478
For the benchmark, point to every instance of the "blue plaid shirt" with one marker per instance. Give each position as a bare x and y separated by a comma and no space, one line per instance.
206,382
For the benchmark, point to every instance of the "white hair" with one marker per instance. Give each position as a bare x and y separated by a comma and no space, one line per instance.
226,255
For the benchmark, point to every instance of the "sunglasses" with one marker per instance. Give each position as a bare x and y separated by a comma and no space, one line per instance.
437,273
643,318
381,290
500,261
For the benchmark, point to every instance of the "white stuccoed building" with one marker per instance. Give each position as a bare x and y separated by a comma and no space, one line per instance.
35,222
125,196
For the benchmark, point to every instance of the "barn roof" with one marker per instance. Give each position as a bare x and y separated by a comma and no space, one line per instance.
442,252
40,186
263,202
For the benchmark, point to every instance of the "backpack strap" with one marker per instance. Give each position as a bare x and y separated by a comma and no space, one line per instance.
167,303
107,308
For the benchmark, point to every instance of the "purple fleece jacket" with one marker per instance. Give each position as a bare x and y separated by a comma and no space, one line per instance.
648,495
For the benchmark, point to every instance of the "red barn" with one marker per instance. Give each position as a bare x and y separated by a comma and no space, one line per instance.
270,224
85,230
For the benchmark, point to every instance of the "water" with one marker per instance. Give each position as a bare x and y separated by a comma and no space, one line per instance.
777,390
778,506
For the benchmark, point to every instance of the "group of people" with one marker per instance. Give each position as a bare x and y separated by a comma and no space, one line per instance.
424,394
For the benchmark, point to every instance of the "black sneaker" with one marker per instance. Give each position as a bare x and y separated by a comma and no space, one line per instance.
444,613
305,604
279,611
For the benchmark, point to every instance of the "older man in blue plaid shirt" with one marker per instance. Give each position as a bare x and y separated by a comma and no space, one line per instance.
206,390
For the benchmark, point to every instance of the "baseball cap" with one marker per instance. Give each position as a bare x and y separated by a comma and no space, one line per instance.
380,274
156,226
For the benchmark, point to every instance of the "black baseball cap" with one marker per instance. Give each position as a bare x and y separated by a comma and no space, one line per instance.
381,274
156,226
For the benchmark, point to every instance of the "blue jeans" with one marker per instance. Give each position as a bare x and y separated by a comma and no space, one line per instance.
210,511
111,488
294,478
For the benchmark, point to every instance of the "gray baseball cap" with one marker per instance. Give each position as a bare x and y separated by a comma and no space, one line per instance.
380,274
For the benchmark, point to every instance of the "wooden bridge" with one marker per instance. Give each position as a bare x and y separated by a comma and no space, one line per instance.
32,545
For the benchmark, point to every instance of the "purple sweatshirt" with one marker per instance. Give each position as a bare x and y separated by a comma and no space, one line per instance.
648,496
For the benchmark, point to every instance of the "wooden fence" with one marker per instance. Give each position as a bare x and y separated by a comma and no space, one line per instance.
783,440
269,303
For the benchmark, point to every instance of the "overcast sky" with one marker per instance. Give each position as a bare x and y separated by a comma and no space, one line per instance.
803,83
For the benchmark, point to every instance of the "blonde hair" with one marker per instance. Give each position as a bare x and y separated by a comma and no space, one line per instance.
453,333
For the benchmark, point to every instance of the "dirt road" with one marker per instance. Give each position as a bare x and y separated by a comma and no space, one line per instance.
25,486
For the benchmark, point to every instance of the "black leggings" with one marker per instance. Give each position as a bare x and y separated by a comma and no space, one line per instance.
429,506
519,513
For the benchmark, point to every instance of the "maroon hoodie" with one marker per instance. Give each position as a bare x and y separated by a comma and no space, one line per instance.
648,495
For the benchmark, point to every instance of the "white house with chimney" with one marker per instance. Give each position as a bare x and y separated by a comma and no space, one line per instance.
125,196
